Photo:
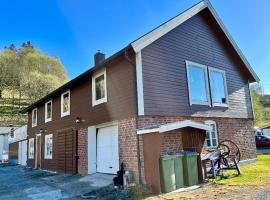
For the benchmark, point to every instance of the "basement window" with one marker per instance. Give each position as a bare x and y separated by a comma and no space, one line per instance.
99,88
48,146
211,136
65,104
34,117
31,150
48,111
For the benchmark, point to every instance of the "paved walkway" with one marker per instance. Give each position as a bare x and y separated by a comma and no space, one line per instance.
23,183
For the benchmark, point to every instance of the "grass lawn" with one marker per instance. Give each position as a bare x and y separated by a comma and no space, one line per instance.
257,173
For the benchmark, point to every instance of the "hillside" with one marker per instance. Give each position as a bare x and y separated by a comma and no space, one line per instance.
261,109
27,74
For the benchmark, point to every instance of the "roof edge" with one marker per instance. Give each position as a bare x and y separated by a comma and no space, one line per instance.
166,27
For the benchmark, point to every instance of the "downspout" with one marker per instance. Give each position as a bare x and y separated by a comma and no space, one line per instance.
136,122
251,100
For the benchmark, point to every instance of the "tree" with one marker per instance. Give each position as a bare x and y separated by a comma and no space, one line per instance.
28,73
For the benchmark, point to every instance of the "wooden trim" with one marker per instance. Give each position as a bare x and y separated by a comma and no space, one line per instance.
176,125
139,75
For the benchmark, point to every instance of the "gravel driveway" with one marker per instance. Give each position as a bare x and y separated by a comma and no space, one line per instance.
221,192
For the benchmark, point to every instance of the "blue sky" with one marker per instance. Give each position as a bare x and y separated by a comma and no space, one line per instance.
75,30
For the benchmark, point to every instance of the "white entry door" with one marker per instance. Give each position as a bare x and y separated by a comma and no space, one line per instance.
107,150
22,153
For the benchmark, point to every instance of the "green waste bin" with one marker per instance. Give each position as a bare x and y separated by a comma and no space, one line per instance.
167,173
190,168
178,168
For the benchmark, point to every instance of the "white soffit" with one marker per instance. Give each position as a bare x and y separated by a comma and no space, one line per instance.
155,34
175,126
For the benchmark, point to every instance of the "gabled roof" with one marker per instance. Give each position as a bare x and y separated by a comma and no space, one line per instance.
147,39
176,125
166,27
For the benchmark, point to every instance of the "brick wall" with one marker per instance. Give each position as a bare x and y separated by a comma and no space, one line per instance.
171,142
128,145
82,151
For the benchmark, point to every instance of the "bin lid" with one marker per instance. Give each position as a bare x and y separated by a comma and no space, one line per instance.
189,153
167,157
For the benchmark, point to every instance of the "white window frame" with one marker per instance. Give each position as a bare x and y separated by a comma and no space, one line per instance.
46,111
31,140
104,99
204,67
224,84
34,124
46,156
63,114
211,122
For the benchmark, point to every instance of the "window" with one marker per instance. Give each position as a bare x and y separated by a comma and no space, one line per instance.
48,111
197,84
65,104
31,148
48,146
99,90
34,117
211,136
218,87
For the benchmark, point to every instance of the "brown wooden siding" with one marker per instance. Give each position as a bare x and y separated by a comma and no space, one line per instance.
121,95
13,151
164,72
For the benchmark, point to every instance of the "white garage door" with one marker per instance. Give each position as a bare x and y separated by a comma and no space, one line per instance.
22,154
107,150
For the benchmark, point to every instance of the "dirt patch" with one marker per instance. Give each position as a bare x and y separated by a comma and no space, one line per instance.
217,191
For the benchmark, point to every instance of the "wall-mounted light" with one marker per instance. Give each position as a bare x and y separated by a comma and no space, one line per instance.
41,130
78,120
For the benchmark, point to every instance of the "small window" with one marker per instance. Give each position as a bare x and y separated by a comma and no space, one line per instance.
48,111
218,87
48,146
99,90
31,148
34,117
197,84
65,104
211,136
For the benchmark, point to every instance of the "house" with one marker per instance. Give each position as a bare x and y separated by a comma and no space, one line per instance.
4,134
18,146
265,130
181,86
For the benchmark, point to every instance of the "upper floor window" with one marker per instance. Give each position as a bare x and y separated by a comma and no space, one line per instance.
31,148
200,77
211,136
48,111
218,87
65,104
48,146
34,117
197,83
99,88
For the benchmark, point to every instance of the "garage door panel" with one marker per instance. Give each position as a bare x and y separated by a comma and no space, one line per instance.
107,150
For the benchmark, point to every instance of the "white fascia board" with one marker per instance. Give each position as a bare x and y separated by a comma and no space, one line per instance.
183,124
239,52
175,126
167,27
139,75
145,131
152,36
